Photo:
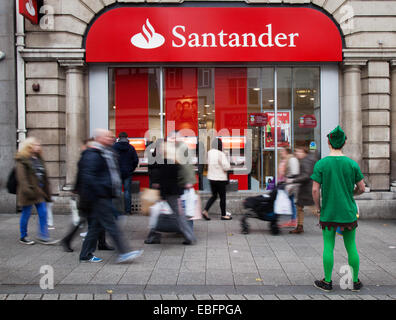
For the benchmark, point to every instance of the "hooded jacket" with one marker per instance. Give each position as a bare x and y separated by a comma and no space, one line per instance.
127,158
29,191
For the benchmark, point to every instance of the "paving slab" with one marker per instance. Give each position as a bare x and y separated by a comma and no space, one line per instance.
223,263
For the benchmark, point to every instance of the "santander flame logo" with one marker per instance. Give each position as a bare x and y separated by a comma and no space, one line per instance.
148,39
30,8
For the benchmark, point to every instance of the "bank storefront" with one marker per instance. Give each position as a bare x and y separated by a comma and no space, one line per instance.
259,78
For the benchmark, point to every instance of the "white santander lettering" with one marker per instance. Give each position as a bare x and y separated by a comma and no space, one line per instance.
234,40
179,36
292,36
268,35
280,36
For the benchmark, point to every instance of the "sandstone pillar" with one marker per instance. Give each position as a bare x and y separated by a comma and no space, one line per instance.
75,117
352,111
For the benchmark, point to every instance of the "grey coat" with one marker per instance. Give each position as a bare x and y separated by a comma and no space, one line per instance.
304,179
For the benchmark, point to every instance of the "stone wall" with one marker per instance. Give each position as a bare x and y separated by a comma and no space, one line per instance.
45,116
7,103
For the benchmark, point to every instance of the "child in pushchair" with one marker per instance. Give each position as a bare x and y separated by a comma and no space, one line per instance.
261,207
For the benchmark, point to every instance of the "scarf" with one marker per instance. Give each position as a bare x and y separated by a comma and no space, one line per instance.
111,162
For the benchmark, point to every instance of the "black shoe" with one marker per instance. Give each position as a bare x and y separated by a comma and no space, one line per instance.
105,247
188,242
152,241
323,285
206,216
27,241
357,286
66,246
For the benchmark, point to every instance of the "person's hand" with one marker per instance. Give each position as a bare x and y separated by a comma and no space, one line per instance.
188,186
316,212
289,181
155,186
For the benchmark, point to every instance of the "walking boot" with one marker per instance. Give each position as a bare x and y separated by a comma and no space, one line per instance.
299,229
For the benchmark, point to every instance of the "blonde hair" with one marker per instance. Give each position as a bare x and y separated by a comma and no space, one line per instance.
26,147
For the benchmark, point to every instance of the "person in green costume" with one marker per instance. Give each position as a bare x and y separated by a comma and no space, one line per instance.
338,178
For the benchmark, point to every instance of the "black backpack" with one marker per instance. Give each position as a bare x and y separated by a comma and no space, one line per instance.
12,182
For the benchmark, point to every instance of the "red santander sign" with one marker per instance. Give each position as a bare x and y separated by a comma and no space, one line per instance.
29,9
186,34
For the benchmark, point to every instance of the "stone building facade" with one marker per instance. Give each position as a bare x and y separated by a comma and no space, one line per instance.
58,113
7,101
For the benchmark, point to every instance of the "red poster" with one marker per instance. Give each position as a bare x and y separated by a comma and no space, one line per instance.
258,119
283,130
308,121
29,9
181,100
131,97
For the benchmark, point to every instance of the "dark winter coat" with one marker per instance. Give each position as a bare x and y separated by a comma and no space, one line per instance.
94,179
84,204
29,191
127,158
169,178
307,164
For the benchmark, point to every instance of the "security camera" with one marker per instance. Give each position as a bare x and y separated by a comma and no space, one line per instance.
2,55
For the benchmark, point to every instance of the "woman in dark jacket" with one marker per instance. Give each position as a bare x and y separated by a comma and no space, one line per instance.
32,189
167,177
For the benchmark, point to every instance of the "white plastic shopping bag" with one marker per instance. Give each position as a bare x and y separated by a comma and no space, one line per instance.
74,210
283,203
189,201
50,216
161,207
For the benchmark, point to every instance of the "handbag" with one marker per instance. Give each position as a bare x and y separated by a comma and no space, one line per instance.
147,199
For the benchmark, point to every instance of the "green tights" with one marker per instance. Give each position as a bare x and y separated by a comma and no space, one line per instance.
328,252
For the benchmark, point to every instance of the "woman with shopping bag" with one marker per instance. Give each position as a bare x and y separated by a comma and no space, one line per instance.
170,191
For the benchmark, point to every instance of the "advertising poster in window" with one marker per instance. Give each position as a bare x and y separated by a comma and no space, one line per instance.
283,130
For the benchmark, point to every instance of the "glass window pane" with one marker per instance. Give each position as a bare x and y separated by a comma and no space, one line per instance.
307,106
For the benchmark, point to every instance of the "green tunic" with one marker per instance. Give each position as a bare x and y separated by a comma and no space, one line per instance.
337,176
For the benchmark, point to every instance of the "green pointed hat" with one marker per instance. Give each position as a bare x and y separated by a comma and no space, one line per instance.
337,138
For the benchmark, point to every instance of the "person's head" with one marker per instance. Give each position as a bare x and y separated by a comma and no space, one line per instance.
104,137
301,151
30,147
285,152
217,144
336,139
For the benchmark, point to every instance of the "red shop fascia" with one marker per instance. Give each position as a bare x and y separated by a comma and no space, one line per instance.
211,35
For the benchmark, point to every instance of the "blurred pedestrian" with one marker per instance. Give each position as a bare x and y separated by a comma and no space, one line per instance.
128,161
100,183
82,203
338,178
218,166
186,179
307,162
289,168
171,191
33,188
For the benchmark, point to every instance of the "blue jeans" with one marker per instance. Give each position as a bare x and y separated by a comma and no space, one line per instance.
294,209
127,183
42,213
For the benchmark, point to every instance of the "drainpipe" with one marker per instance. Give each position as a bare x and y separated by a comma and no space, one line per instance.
20,68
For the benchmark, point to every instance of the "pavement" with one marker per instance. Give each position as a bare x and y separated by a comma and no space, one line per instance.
223,265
